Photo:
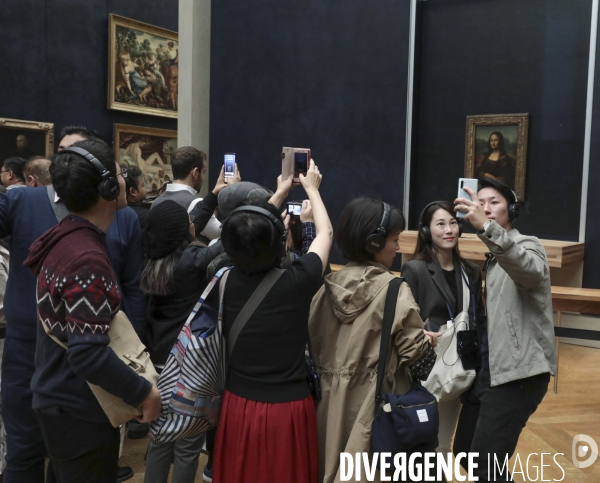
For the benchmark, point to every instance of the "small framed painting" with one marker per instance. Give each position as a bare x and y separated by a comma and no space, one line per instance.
25,138
496,147
149,149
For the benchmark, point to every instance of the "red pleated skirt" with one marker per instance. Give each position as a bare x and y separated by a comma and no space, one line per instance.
266,442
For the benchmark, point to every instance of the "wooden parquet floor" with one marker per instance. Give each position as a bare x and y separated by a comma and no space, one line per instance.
574,410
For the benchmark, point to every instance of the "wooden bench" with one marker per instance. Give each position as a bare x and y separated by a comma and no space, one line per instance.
564,299
570,299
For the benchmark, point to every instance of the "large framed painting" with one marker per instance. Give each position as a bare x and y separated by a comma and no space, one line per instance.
149,149
25,138
496,147
143,68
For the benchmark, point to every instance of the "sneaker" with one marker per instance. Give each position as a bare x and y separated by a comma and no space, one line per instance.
207,475
124,473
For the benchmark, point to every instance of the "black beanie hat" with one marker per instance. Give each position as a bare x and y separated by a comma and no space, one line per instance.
165,227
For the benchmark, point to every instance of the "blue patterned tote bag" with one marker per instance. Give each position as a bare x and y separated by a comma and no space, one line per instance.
192,381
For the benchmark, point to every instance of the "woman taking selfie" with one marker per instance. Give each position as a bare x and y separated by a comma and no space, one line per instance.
435,276
345,329
268,429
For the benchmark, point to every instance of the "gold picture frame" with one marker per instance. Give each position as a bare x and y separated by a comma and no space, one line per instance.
143,67
39,138
149,149
498,143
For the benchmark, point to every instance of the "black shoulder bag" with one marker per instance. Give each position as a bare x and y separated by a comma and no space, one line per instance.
406,422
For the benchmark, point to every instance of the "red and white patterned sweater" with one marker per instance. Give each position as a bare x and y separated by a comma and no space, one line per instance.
77,295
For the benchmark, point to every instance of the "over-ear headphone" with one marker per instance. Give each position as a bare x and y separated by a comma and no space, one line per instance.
376,241
503,188
108,188
513,208
424,229
279,226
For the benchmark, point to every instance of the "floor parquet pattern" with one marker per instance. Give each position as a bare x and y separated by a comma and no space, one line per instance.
574,410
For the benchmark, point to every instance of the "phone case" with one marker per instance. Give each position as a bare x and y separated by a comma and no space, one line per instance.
287,162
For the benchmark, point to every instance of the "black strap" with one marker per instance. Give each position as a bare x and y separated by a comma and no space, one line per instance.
386,329
473,305
253,302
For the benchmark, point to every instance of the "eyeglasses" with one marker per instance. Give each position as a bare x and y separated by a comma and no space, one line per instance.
123,173
192,219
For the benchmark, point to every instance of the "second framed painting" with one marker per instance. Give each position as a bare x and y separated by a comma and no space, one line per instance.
496,147
143,68
151,150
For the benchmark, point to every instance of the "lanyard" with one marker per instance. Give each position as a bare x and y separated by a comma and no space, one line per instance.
472,304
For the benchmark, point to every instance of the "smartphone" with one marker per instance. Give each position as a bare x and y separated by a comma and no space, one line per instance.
294,161
301,161
462,183
294,208
467,344
229,165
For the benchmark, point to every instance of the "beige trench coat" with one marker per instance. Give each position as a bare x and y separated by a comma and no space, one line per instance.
345,330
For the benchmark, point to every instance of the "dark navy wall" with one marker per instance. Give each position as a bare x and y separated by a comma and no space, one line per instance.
591,266
54,58
501,57
330,76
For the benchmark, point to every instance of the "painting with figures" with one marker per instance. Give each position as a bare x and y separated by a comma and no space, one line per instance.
149,149
143,68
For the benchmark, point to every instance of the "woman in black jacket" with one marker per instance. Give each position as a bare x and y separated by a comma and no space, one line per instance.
435,277
174,279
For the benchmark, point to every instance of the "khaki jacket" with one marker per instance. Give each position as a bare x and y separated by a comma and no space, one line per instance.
520,324
345,330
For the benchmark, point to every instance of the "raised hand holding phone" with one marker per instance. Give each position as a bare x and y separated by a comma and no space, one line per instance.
472,210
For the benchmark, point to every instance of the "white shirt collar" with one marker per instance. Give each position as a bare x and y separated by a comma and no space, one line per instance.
180,187
13,186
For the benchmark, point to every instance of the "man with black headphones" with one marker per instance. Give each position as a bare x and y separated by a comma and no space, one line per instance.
77,295
519,343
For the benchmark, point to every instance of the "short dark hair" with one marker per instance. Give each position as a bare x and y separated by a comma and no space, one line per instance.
359,219
15,164
501,187
133,176
75,179
83,131
186,159
33,168
252,241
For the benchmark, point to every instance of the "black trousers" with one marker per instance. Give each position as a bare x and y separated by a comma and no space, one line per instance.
492,418
81,451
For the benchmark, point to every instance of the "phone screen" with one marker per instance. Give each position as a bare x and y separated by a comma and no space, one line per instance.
229,165
300,163
294,208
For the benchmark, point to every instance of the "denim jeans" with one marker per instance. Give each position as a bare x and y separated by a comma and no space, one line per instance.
492,418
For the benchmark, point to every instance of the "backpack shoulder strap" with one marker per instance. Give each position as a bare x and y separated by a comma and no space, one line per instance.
386,329
253,302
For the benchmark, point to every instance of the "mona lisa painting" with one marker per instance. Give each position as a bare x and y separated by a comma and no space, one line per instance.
496,147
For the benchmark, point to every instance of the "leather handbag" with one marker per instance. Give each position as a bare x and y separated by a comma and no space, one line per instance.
128,347
406,422
449,379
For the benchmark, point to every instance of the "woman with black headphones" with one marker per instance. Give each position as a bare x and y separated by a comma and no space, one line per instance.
268,429
438,276
346,327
